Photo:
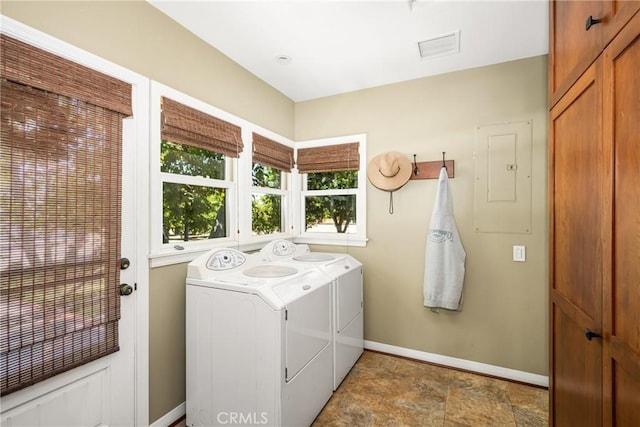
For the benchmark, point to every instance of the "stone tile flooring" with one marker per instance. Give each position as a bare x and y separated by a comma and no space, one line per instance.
384,390
387,391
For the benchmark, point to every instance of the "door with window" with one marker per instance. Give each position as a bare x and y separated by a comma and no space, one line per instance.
67,271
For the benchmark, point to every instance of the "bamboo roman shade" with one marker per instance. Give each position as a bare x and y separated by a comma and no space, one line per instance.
270,153
60,202
22,63
329,158
185,125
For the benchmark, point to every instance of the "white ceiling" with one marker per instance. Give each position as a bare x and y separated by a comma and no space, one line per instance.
342,46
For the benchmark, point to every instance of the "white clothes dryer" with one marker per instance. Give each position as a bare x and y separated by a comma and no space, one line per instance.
348,301
259,341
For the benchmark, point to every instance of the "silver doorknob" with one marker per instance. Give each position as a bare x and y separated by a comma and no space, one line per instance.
125,289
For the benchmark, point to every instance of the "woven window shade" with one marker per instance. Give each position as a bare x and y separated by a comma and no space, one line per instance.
30,66
270,153
329,158
60,187
186,125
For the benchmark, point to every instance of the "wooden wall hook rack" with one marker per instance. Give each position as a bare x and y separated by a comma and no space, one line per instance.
431,170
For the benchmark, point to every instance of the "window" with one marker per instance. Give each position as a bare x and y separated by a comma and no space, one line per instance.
333,196
191,211
194,161
218,180
270,163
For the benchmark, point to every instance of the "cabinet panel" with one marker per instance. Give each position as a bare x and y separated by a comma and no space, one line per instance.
617,13
627,389
576,376
594,151
572,47
576,196
621,62
577,173
626,116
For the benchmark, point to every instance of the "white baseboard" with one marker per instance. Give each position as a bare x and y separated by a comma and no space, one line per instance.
171,416
467,365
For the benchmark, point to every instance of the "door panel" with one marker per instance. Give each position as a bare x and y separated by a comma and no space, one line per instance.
101,392
577,172
81,403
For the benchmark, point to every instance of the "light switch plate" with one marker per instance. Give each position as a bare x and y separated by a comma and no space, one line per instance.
519,253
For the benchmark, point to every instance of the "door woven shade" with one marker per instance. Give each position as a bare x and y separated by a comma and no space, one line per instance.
60,197
30,66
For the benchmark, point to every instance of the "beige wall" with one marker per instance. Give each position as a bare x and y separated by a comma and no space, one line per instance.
135,35
167,347
504,321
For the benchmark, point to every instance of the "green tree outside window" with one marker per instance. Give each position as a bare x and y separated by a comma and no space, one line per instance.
340,209
192,212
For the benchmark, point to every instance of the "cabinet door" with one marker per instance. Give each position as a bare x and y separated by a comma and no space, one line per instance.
621,123
577,171
616,14
572,48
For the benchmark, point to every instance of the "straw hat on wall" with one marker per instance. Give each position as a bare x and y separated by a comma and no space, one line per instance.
389,171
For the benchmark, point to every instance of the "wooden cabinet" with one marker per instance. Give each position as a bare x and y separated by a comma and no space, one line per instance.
594,221
574,44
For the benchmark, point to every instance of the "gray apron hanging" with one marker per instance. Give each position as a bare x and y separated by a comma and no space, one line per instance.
444,254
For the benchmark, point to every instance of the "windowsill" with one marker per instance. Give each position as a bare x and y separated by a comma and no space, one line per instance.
169,255
332,240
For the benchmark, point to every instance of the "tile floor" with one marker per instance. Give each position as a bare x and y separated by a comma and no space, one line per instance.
384,390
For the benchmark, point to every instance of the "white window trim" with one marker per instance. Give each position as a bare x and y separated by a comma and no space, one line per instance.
359,238
239,187
174,252
256,242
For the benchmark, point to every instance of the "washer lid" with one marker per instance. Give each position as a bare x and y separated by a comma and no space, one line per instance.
270,271
314,257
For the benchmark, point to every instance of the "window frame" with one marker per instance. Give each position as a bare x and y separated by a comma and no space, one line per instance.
257,241
358,239
238,183
176,252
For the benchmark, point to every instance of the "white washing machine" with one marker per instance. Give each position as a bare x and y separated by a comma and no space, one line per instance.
346,272
259,341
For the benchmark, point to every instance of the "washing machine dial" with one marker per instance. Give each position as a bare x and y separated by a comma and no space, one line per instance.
224,260
284,248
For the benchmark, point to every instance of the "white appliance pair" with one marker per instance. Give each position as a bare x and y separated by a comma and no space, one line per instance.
260,340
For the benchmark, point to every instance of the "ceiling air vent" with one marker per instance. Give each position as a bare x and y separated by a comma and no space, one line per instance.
445,44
